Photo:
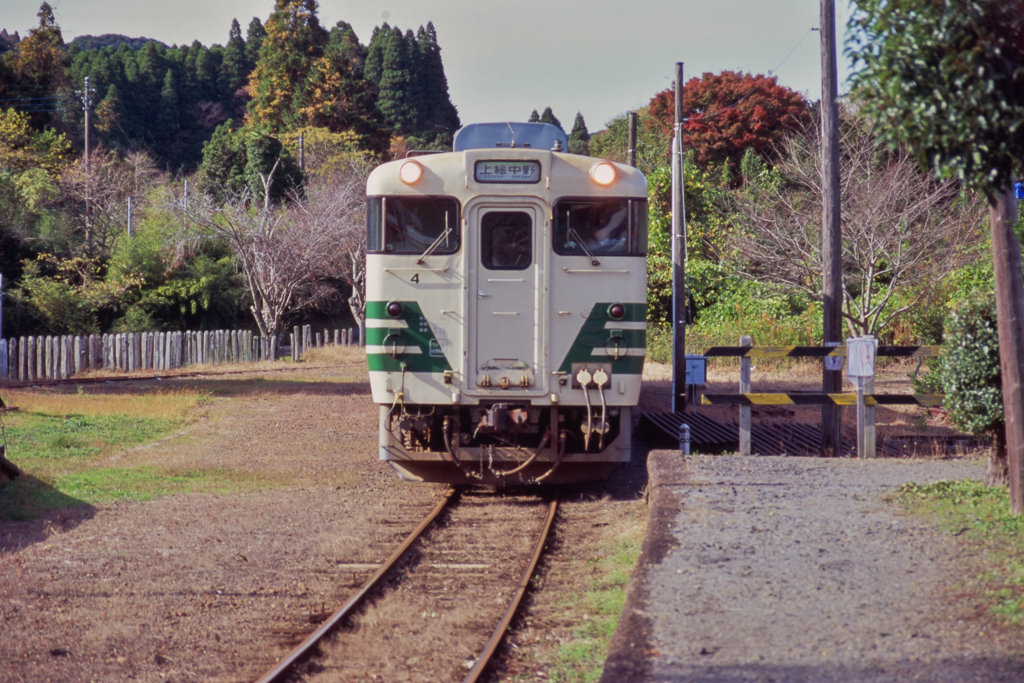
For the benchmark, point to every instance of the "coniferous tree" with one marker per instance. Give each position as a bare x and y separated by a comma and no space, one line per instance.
38,64
337,96
440,115
579,137
396,86
234,70
295,39
375,53
168,118
549,117
254,36
534,117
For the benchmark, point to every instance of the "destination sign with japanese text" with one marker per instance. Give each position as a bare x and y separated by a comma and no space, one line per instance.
507,171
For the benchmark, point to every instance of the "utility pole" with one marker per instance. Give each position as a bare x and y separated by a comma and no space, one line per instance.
1006,252
678,256
87,105
831,239
631,141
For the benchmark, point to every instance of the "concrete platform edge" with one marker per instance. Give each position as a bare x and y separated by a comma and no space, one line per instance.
630,650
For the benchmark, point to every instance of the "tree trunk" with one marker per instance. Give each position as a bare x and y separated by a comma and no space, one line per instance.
997,472
1006,257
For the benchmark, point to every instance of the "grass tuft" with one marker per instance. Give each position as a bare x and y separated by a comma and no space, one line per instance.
980,515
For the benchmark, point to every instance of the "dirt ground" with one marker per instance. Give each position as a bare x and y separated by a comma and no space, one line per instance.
214,587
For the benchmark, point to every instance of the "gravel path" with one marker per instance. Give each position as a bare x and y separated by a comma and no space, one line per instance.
797,569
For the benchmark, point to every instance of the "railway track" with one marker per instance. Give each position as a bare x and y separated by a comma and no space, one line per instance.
438,607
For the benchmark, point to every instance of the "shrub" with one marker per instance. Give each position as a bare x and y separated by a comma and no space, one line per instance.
972,379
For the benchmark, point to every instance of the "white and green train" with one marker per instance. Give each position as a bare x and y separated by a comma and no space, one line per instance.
506,309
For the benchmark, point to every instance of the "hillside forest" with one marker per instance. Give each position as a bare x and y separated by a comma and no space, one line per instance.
224,187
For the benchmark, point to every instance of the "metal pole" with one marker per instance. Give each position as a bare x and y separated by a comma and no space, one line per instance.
745,340
678,256
631,144
831,244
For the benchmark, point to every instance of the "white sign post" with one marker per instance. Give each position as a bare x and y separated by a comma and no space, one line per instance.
860,363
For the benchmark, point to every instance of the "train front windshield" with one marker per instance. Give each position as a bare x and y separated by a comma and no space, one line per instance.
602,226
412,225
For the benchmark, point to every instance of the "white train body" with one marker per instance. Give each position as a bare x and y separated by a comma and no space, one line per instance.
506,293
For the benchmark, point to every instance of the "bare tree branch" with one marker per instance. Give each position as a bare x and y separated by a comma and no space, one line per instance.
293,256
902,230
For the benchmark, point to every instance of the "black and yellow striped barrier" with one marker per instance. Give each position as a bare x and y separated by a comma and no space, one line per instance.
917,351
813,399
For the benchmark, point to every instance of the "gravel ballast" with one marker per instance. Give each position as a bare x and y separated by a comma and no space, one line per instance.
799,569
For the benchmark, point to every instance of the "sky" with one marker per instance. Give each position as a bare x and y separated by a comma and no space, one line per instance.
504,59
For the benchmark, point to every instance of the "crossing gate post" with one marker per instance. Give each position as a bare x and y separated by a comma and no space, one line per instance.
860,356
745,340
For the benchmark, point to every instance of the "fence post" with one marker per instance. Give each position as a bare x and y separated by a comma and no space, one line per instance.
22,358
745,340
65,360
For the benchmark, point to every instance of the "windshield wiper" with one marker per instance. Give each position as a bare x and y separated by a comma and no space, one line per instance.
443,237
579,240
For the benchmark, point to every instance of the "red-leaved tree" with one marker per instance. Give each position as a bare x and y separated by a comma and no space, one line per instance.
731,112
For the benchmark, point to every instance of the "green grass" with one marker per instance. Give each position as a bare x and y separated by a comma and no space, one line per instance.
581,659
63,441
980,515
40,437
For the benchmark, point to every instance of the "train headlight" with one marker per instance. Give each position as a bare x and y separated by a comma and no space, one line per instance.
604,173
394,309
410,172
616,311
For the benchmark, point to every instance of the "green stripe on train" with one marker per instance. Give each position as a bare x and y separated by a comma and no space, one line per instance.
417,335
599,333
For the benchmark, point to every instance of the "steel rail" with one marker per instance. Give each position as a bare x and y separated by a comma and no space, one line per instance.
513,605
306,646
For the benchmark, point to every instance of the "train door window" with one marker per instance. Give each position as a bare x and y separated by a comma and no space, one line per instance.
506,240
413,225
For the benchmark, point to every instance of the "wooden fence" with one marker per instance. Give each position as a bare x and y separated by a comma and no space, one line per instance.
60,357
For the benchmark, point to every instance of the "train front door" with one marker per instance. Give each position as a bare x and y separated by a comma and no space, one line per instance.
507,290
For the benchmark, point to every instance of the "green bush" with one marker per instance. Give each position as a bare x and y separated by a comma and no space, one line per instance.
970,370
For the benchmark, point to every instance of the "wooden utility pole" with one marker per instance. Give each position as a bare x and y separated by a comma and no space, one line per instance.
1010,314
831,241
678,256
631,140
